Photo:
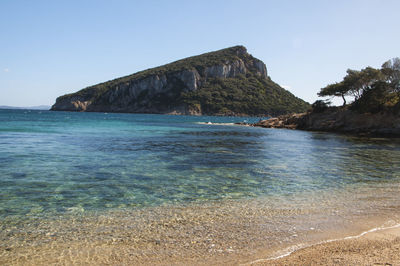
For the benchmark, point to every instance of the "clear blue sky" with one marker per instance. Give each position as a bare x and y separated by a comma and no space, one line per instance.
49,48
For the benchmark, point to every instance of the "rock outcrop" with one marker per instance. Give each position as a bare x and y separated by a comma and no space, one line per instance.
173,88
337,119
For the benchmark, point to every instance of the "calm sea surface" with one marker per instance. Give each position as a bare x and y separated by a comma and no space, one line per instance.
91,165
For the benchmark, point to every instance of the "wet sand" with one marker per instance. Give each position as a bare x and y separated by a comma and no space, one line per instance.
228,232
381,247
232,233
375,248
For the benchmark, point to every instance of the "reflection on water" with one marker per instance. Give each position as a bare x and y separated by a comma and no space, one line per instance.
152,184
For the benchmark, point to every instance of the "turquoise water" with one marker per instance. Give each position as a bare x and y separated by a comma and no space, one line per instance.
52,162
96,188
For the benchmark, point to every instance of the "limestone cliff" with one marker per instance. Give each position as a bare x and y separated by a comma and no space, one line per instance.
226,82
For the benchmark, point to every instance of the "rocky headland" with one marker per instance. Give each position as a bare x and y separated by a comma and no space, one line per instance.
338,119
224,82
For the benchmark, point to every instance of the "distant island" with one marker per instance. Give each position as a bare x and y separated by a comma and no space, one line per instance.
374,111
39,107
224,82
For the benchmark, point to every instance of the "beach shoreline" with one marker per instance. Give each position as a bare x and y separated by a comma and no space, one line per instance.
232,233
377,246
374,248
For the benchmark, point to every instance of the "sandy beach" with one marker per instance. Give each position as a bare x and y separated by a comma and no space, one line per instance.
198,236
381,247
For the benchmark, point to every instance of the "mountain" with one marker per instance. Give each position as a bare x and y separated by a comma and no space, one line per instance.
40,107
225,82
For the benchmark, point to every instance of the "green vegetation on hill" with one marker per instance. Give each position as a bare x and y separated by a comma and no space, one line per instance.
252,93
198,62
246,94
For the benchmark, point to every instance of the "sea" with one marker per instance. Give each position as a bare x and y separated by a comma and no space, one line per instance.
108,188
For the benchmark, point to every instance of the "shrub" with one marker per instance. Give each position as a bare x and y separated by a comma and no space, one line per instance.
320,106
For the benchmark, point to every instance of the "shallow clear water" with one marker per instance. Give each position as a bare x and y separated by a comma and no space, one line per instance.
55,164
53,161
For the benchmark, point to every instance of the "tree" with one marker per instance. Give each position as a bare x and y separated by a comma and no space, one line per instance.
358,82
391,71
355,83
336,89
375,99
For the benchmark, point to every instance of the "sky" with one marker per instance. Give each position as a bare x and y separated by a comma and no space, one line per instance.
50,48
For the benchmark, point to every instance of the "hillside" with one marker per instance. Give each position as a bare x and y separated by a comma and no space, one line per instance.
224,82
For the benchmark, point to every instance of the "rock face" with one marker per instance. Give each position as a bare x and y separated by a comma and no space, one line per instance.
172,88
339,120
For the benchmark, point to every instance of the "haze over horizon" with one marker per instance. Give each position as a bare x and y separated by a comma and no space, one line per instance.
53,48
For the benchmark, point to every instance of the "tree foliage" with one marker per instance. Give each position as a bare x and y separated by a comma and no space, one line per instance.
355,83
335,89
320,106
391,71
358,82
373,89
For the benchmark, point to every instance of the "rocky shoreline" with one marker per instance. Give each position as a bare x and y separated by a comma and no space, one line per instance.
337,119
